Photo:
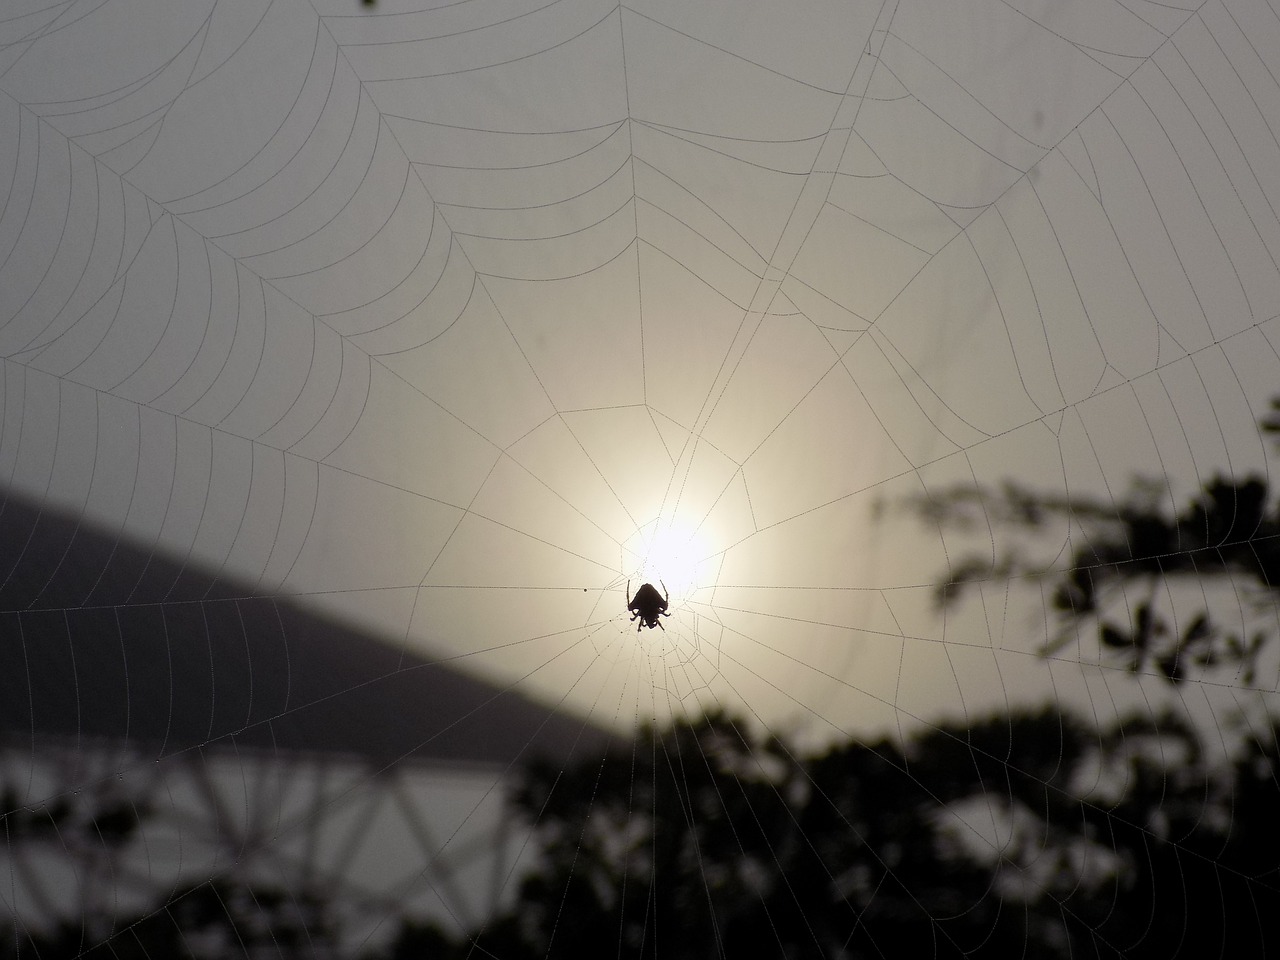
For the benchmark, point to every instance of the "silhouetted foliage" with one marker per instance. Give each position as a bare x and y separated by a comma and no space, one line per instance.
1026,834
1133,547
95,818
221,918
706,840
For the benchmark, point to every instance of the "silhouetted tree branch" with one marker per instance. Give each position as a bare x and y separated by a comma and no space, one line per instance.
1127,555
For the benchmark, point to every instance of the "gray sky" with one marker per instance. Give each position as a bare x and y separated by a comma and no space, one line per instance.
441,317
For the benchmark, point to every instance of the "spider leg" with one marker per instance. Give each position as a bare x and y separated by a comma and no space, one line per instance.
665,595
660,626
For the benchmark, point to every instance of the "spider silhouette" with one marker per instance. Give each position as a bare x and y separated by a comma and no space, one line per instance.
648,605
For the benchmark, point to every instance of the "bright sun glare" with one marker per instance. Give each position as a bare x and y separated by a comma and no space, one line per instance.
670,552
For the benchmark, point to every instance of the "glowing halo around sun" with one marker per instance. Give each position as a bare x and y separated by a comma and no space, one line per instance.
673,553
678,664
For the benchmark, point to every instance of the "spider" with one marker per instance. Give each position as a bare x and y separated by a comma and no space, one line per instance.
648,606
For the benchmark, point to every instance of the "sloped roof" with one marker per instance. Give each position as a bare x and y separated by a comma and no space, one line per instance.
103,639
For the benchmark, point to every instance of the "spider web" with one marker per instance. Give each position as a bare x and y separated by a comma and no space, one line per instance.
443,325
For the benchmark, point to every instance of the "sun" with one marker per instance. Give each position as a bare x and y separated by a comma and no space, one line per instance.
670,552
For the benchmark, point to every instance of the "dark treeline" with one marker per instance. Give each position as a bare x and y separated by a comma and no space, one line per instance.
707,840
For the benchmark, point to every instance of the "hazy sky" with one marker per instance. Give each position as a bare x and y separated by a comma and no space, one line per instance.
441,317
